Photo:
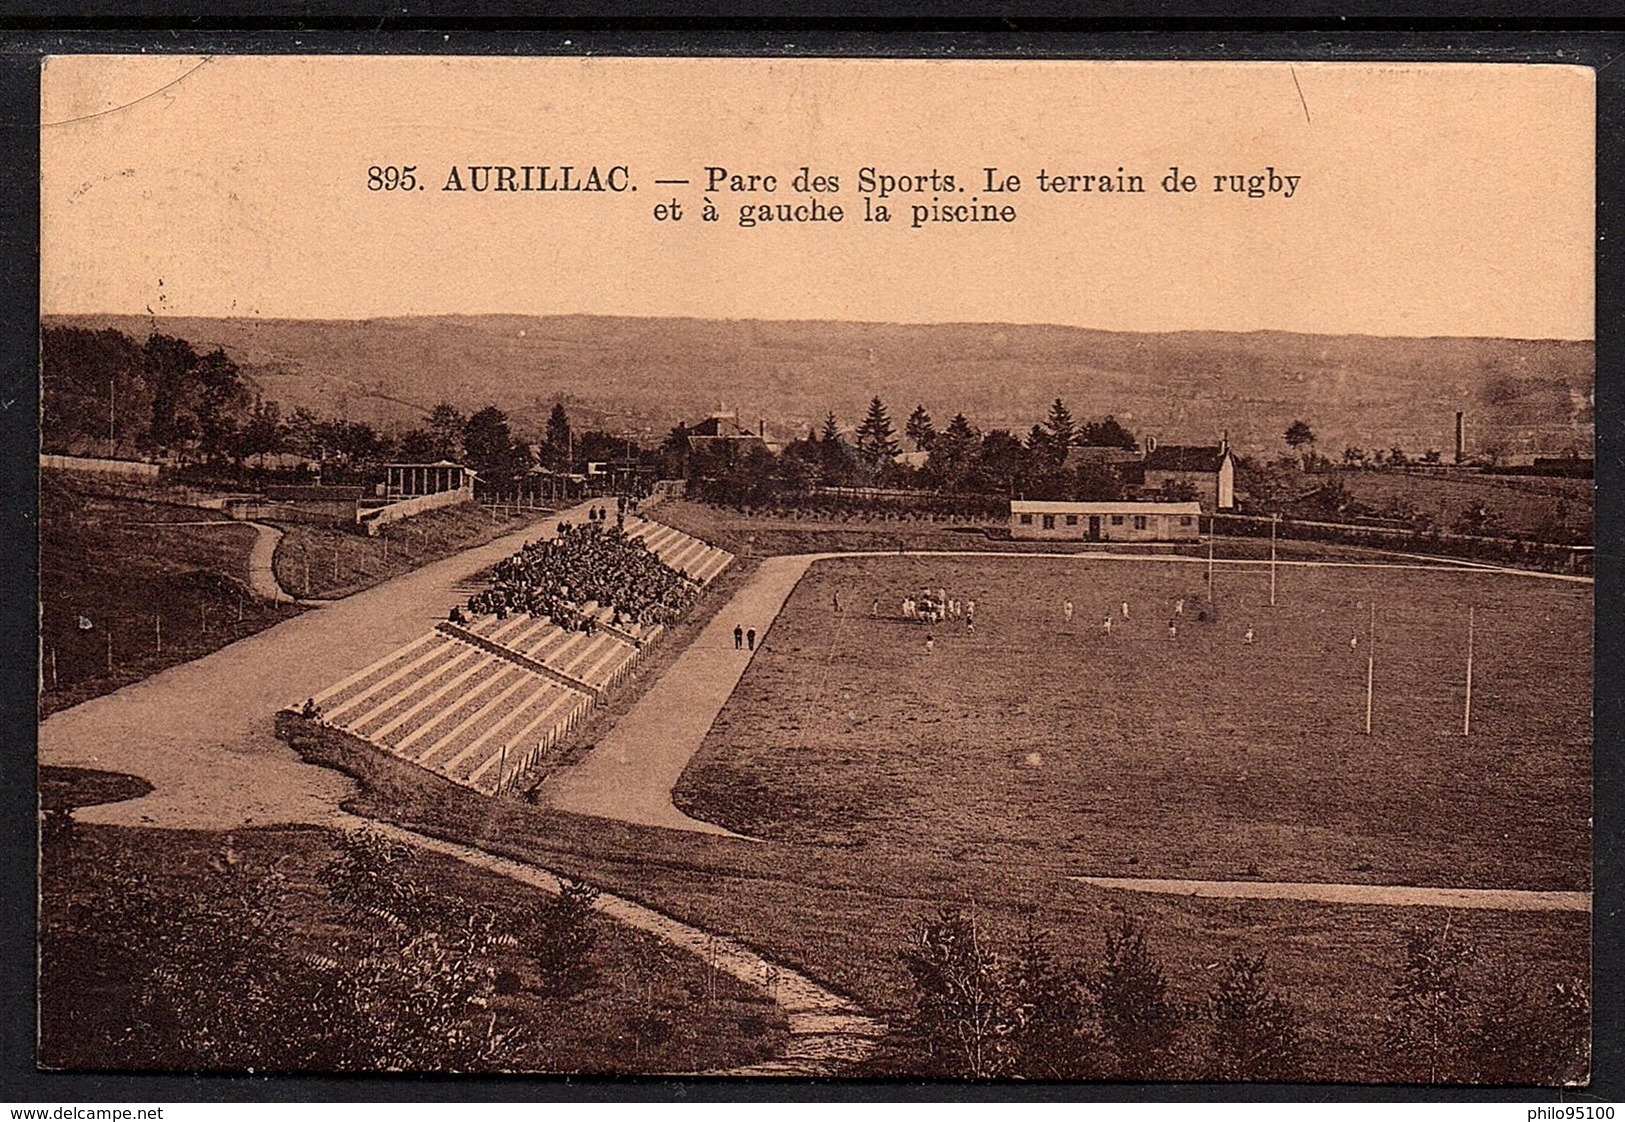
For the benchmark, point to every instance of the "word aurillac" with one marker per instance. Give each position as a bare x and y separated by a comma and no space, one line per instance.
539,178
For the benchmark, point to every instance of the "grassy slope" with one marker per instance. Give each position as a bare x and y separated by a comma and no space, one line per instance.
1524,504
650,1009
400,547
139,583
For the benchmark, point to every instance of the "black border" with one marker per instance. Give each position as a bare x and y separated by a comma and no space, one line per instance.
1574,32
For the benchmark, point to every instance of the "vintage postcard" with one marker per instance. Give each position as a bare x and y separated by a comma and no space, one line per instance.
986,570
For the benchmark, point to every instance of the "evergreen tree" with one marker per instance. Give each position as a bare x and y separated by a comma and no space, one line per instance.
490,446
953,450
1131,993
1051,1037
920,430
1040,445
961,1016
834,459
560,443
877,440
1062,431
1254,1035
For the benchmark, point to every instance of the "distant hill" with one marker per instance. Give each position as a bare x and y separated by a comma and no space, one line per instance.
644,375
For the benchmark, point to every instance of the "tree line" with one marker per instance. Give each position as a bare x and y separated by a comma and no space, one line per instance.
960,459
986,1007
104,393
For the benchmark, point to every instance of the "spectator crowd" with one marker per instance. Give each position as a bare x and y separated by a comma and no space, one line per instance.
586,563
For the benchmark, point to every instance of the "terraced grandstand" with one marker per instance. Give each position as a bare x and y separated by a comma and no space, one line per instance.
480,701
700,561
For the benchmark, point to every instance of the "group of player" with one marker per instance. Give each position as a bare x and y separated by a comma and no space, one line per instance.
1176,619
935,606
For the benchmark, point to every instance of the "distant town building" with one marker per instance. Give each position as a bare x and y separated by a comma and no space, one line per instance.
1208,469
723,428
1035,520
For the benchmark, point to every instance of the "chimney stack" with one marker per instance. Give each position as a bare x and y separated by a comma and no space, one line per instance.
1461,436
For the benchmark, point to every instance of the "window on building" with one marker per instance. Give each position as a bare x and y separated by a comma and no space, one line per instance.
1072,520
1139,521
1117,520
1026,520
1184,520
1049,521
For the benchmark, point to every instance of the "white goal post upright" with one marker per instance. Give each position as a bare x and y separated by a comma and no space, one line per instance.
1274,518
1370,665
1467,703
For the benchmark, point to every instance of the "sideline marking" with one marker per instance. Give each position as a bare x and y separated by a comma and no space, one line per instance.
1390,895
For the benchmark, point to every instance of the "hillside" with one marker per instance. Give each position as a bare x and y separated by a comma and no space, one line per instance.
647,374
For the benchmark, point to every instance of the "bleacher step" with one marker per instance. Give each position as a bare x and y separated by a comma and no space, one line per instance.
516,658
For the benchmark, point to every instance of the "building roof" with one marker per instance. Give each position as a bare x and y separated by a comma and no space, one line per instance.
724,425
1034,506
1185,457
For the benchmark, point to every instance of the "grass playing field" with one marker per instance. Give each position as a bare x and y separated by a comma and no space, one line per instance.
1046,745
885,781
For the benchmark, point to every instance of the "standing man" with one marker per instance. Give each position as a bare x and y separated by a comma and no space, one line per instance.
1125,609
1066,610
930,643
739,636
750,638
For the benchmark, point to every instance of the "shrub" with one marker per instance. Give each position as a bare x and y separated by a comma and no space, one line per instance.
562,937
1052,1035
368,878
1427,1001
1131,997
1254,1034
962,1016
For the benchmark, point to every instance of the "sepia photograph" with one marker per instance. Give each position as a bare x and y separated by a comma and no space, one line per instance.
865,569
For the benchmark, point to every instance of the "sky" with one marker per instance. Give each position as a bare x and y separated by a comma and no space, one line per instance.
1430,199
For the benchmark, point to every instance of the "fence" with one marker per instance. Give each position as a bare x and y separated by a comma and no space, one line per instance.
129,469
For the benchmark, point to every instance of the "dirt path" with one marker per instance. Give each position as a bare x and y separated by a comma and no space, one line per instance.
826,1030
629,776
1391,895
261,564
